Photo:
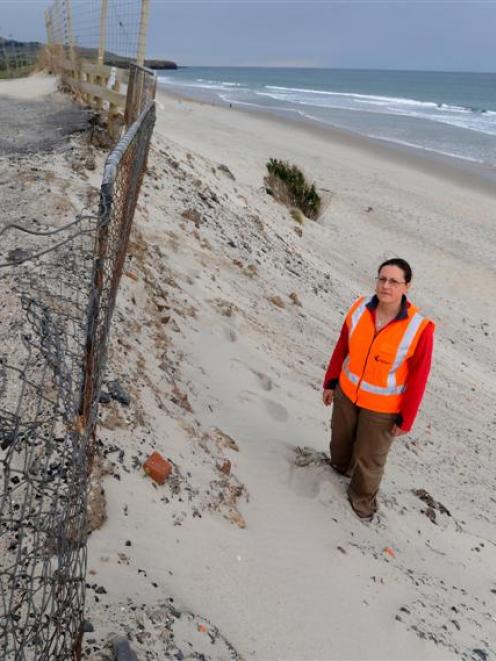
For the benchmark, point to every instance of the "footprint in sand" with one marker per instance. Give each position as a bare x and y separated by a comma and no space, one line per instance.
310,475
230,334
264,380
276,411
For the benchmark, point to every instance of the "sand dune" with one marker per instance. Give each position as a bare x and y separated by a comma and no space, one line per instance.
304,579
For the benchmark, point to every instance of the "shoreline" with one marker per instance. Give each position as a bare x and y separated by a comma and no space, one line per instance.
476,176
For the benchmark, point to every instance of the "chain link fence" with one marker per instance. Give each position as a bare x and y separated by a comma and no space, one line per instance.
17,59
58,287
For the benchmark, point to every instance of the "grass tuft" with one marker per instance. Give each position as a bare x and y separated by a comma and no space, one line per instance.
297,215
286,183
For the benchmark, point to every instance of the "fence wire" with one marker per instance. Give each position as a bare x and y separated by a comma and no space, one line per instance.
141,89
17,59
58,288
78,22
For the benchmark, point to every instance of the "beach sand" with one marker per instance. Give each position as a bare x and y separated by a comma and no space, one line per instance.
207,347
224,324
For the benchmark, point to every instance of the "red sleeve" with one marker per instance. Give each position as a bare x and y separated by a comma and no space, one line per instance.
419,366
338,355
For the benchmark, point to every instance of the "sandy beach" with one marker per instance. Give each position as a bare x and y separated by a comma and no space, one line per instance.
304,579
226,317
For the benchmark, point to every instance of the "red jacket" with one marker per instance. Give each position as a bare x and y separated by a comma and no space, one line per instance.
419,368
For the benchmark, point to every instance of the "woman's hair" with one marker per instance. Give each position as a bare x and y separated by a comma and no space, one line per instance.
400,263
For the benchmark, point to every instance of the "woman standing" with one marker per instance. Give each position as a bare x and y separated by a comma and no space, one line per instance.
376,380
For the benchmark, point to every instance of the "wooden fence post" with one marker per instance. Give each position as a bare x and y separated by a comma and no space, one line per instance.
145,10
70,33
103,28
48,27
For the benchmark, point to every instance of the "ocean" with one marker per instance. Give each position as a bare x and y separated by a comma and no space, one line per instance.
445,112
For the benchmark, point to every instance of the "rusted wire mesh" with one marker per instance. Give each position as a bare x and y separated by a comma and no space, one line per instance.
141,91
58,287
119,195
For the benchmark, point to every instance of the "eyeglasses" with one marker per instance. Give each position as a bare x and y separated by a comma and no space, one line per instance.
394,283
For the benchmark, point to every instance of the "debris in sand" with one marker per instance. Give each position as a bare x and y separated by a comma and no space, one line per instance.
96,503
90,162
250,270
104,397
18,255
122,649
193,215
161,303
277,301
181,399
236,518
223,168
226,308
224,466
432,505
132,275
157,467
294,298
117,392
306,456
224,440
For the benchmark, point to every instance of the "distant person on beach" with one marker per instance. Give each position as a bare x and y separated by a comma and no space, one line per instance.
376,380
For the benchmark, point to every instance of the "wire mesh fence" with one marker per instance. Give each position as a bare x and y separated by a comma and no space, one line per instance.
17,58
87,25
141,89
58,287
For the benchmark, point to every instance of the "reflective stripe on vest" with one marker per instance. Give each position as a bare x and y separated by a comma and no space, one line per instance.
357,315
401,354
406,341
369,387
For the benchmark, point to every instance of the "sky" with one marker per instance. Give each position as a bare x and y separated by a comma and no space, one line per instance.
440,35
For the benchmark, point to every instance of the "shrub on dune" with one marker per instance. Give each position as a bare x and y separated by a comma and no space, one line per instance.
287,183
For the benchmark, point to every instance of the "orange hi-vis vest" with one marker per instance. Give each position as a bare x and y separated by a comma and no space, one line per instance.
375,371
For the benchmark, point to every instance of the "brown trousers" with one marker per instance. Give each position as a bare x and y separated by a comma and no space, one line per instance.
360,442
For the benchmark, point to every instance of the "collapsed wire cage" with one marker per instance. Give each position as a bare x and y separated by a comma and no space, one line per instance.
58,287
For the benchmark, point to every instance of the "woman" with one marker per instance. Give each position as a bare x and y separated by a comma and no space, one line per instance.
376,380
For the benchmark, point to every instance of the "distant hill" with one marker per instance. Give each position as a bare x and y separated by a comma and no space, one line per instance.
111,59
114,60
6,43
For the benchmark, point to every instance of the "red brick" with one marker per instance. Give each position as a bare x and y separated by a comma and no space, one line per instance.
157,467
225,467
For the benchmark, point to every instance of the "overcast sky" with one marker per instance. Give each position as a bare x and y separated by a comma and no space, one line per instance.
435,34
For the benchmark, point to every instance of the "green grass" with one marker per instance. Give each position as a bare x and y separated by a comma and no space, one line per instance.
287,183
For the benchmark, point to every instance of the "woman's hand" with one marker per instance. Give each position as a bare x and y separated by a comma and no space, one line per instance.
327,397
397,431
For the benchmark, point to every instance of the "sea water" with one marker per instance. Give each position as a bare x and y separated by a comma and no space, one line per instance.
445,112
